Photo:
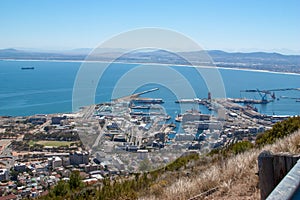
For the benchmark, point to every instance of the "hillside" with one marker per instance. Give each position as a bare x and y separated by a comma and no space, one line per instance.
232,178
228,173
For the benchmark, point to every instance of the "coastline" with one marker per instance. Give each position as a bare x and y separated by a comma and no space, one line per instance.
160,64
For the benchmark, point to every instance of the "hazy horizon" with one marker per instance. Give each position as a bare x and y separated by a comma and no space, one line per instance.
247,26
85,50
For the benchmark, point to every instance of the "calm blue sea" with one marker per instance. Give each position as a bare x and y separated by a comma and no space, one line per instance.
48,88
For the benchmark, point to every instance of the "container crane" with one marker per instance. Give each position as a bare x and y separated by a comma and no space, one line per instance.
264,93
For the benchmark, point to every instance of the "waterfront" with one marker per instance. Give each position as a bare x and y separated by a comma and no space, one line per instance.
130,134
48,88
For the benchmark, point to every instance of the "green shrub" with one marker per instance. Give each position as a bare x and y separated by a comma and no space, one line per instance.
279,130
240,147
75,181
61,189
181,161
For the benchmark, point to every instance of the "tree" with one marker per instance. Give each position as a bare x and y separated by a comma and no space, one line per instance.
75,180
61,189
241,147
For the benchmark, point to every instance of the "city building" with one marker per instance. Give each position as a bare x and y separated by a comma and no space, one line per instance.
4,174
77,158
57,120
20,167
37,120
184,137
55,162
194,116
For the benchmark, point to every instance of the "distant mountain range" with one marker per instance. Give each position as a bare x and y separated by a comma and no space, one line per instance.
30,55
256,60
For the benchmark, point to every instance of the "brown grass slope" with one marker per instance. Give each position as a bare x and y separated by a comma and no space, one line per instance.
234,177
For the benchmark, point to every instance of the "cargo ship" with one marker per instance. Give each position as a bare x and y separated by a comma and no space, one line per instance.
27,68
140,107
195,100
147,101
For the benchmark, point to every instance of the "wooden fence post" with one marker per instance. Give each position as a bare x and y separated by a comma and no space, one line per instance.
272,168
289,163
279,168
266,173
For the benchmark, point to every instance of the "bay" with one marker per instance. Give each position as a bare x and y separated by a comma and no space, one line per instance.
48,88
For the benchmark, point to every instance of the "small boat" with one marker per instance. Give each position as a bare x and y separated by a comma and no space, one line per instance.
178,118
210,108
168,117
27,68
140,107
137,113
173,125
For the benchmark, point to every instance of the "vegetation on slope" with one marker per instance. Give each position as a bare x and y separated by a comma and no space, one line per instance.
233,174
66,190
129,188
279,130
232,149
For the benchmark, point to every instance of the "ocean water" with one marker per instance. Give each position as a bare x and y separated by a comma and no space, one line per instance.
49,87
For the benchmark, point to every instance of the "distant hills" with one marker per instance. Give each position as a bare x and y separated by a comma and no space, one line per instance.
256,60
30,55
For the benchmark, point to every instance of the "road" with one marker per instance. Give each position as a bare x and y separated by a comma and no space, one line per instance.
88,111
100,132
4,157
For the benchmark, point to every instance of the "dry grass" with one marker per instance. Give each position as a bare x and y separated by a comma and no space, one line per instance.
51,143
234,177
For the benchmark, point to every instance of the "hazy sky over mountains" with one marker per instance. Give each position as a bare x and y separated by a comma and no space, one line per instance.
249,25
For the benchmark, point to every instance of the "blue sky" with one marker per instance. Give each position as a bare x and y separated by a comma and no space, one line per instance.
246,25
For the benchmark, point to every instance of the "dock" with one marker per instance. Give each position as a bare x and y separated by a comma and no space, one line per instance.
249,101
145,92
134,96
195,100
147,100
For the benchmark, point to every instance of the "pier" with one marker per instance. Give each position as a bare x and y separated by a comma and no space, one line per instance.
134,96
249,101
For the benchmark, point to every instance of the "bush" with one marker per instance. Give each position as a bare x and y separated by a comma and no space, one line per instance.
75,181
279,130
181,161
240,147
61,189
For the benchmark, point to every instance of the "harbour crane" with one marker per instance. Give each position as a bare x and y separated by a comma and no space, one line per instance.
264,93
